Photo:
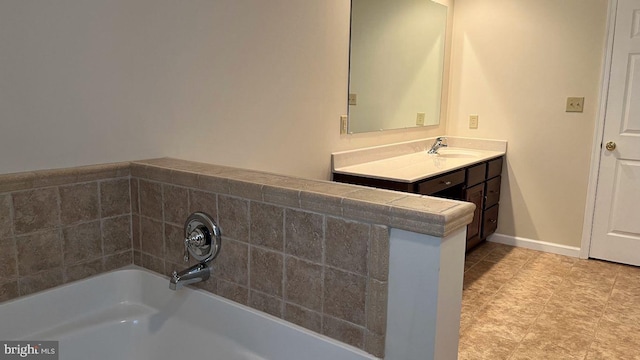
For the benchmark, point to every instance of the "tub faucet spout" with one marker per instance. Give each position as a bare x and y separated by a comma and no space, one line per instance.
196,273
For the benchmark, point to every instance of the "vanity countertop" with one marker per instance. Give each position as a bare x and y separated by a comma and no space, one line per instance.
409,161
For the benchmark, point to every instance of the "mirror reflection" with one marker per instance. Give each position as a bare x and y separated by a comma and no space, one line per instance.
396,64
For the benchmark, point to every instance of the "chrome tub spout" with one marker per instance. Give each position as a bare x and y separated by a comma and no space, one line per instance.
196,273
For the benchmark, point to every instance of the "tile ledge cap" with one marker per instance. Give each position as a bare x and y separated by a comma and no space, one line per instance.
434,223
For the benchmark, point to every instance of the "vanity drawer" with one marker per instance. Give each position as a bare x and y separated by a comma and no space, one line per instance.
492,192
476,174
494,168
441,183
490,221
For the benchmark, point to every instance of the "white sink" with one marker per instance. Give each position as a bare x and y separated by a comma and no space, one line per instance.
410,162
458,153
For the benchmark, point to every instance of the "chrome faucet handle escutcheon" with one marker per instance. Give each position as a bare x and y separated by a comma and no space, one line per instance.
202,237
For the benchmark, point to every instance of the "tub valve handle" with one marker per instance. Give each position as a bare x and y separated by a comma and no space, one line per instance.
202,238
196,238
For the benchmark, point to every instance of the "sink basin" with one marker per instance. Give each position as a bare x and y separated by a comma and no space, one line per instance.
410,161
457,153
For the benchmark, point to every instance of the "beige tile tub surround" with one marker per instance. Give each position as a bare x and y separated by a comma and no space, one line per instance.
314,253
58,226
309,267
311,252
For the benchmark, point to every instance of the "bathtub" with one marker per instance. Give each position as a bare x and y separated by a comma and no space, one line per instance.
132,314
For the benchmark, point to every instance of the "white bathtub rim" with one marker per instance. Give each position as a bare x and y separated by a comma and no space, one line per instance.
67,285
128,294
255,312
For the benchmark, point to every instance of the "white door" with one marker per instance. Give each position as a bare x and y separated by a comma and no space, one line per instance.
616,222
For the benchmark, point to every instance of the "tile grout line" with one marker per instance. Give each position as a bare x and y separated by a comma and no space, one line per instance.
473,317
249,250
323,276
284,263
604,311
512,354
493,296
164,241
101,224
14,239
59,227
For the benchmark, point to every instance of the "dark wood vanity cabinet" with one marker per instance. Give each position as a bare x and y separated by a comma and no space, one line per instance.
484,191
492,197
478,184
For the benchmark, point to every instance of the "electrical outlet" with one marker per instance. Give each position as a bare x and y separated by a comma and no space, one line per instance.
344,123
420,119
473,121
575,104
353,99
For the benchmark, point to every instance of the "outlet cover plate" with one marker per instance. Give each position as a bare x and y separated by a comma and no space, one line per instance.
575,104
344,124
473,121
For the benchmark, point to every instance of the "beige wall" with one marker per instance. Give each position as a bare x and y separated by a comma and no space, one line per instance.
514,64
261,85
255,84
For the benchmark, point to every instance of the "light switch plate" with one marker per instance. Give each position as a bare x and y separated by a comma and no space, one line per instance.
420,119
353,99
575,104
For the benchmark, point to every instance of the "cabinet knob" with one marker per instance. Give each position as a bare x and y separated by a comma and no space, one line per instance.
493,221
610,146
445,182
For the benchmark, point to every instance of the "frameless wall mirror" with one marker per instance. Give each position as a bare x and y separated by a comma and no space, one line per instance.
396,64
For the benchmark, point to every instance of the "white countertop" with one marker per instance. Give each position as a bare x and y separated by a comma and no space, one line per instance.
410,163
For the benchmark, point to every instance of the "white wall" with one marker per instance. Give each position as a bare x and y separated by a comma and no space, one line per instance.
514,64
248,83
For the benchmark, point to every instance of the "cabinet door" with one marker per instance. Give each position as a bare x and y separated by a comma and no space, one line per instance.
492,192
490,221
475,194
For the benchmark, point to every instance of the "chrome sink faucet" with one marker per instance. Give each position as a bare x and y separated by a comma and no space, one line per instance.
439,143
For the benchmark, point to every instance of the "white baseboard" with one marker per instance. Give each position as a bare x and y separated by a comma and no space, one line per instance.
535,245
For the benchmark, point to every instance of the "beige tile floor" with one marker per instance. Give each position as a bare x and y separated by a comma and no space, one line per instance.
523,304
